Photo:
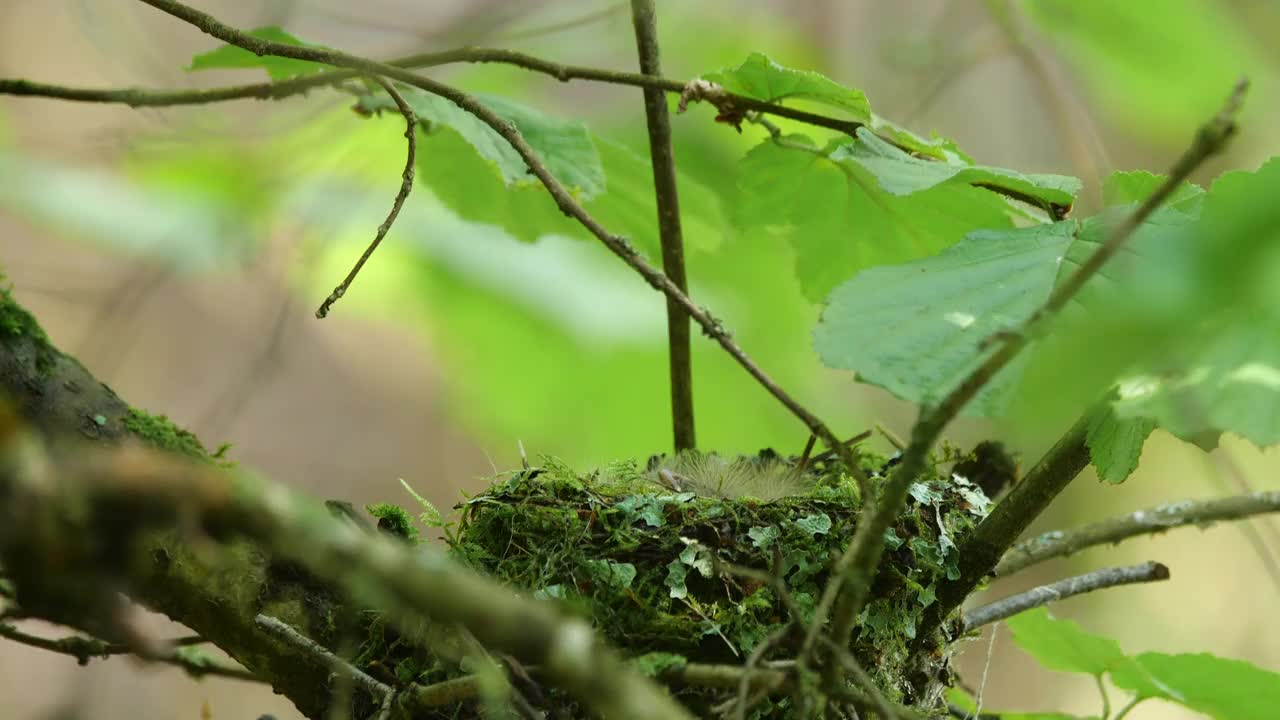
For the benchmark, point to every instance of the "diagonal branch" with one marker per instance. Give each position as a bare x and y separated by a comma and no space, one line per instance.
406,186
645,18
63,504
856,567
1063,589
1158,519
711,326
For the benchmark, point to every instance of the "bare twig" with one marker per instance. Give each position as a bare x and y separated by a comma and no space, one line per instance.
753,661
336,664
1061,543
406,186
711,326
84,648
135,97
644,16
855,568
1045,594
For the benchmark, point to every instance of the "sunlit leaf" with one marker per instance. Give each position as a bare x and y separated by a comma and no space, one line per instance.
916,329
1123,188
564,146
475,190
1218,687
1115,444
279,68
839,220
1062,645
901,174
760,78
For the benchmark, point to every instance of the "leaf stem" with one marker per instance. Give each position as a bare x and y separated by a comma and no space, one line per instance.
644,17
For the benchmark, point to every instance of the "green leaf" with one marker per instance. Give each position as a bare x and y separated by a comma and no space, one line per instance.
760,78
613,574
564,146
677,571
763,537
1062,645
915,329
614,184
1196,342
1115,444
815,524
919,328
230,56
901,174
1123,188
839,220
1218,687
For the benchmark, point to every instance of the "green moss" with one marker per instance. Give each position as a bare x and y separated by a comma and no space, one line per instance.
162,433
646,563
395,520
16,322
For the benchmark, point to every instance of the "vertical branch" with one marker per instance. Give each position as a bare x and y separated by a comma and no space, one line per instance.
644,17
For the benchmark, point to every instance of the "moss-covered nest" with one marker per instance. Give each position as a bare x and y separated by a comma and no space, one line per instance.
648,554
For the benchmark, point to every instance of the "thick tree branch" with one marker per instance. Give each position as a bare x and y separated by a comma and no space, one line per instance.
856,567
1053,592
645,18
62,508
1201,513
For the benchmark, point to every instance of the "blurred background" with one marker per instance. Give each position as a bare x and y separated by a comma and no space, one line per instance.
181,253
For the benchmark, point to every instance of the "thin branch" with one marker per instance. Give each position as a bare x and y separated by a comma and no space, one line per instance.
84,648
744,703
1072,121
336,664
856,566
1201,513
1045,594
645,19
406,186
710,325
136,97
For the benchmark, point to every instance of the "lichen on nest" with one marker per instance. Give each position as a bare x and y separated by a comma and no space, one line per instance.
650,561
